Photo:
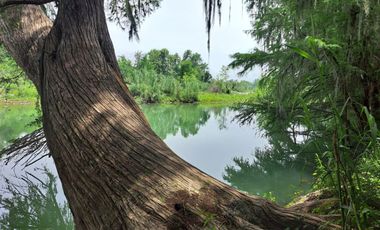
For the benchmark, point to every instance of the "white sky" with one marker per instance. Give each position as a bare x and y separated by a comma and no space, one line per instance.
179,25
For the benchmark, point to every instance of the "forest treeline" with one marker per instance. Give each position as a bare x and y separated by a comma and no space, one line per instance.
159,76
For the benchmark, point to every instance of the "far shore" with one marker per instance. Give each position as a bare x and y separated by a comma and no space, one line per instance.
203,99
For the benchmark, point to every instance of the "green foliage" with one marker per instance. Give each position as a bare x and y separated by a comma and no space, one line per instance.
369,175
321,89
192,64
190,89
13,82
159,76
269,196
162,62
222,84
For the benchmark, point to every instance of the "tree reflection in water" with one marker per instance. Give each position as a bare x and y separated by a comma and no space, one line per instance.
271,172
14,122
28,202
184,119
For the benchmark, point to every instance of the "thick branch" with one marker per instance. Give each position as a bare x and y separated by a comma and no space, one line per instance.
23,2
22,31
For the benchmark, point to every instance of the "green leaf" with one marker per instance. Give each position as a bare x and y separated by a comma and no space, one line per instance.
303,53
371,123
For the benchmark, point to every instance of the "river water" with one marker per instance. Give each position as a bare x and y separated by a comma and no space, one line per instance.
206,136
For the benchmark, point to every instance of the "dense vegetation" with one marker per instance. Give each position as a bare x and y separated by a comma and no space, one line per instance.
159,76
13,84
321,94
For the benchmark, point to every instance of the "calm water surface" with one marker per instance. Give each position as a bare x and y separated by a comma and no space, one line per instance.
205,136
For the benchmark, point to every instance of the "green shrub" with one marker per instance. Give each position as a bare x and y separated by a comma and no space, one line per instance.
190,89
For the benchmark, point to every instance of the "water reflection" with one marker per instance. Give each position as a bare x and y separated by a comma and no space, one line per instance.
217,141
173,119
165,120
14,122
271,173
30,202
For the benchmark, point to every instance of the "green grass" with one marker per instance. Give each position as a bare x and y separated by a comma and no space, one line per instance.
17,101
29,96
219,98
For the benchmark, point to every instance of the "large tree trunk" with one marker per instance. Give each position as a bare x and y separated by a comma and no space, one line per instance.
116,173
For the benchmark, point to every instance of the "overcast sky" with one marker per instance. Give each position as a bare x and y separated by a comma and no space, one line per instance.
179,25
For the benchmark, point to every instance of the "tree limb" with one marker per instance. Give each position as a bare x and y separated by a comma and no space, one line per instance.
22,32
26,150
6,3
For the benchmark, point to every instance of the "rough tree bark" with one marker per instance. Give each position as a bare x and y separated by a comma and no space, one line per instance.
116,172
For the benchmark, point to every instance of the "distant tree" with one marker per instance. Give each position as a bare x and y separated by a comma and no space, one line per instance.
138,59
193,63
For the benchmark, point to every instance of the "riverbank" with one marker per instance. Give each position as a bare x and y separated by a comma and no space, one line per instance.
220,98
203,98
208,98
